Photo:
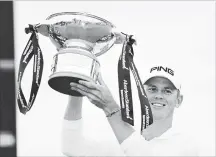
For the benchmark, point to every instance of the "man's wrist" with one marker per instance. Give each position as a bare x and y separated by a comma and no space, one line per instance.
111,109
113,112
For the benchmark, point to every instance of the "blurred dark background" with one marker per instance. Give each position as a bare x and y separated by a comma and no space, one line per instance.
7,82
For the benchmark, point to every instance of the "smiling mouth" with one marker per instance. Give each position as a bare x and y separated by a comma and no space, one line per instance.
158,104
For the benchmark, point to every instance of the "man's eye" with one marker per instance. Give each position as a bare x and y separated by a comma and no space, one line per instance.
152,89
168,91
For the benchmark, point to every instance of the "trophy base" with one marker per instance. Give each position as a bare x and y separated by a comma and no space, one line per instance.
61,82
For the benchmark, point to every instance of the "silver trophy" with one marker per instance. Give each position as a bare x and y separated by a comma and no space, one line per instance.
79,39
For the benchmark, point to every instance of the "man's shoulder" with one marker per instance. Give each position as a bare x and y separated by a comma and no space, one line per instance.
188,142
181,135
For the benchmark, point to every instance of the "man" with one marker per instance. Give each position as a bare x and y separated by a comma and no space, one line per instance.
163,92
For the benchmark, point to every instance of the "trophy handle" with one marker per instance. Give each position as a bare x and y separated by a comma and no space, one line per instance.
43,29
118,38
40,28
106,47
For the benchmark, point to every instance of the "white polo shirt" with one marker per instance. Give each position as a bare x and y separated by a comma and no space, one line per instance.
171,143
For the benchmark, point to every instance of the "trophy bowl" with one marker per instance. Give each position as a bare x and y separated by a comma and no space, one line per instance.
79,39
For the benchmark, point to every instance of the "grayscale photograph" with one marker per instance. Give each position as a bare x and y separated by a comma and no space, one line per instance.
113,78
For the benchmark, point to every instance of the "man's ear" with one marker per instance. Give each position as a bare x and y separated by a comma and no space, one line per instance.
179,99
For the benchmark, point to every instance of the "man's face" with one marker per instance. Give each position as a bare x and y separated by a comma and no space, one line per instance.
163,97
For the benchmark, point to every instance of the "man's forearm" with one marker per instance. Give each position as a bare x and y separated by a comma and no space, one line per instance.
121,129
74,108
72,138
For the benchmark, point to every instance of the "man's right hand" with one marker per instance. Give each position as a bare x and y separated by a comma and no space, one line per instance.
98,94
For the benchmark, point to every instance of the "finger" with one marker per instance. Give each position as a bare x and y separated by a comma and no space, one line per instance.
94,92
100,80
73,84
80,91
91,97
78,85
81,87
89,84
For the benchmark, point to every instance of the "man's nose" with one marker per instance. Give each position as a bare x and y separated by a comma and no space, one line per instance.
159,96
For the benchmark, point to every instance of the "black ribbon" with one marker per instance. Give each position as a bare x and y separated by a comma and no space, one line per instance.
126,64
32,49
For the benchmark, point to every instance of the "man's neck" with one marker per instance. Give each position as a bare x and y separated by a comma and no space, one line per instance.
157,128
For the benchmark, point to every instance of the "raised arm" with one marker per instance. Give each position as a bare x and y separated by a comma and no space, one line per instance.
74,142
74,108
100,95
72,134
